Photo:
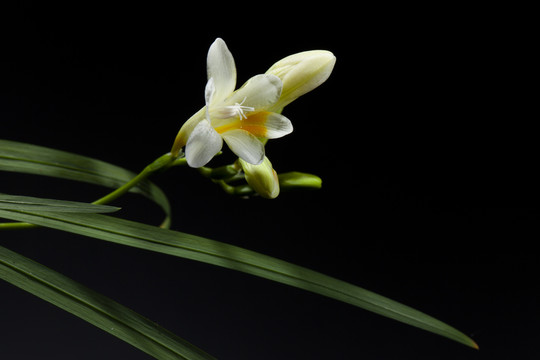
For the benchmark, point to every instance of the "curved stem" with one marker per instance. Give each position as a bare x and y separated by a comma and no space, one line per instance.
160,163
163,162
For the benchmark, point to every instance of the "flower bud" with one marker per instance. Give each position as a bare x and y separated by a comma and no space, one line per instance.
298,180
262,178
301,73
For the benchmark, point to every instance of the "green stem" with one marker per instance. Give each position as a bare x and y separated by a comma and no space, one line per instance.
163,162
160,163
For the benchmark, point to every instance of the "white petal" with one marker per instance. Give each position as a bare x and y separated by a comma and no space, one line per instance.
245,145
209,91
259,92
220,67
203,144
277,126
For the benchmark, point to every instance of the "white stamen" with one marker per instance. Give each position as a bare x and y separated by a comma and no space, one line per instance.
238,110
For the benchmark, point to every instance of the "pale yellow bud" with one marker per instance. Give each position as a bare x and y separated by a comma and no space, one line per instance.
262,178
301,73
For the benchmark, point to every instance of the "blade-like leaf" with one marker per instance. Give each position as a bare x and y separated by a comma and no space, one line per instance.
27,203
32,159
196,248
95,308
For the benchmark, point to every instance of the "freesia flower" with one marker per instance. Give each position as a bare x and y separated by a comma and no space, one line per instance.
238,117
246,118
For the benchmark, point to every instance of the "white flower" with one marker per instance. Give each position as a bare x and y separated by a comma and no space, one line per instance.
239,117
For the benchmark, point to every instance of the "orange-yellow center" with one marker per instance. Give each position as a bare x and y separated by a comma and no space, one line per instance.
254,123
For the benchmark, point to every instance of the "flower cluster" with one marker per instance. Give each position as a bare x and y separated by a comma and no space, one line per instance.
245,118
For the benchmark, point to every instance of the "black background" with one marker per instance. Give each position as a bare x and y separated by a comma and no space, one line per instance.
422,137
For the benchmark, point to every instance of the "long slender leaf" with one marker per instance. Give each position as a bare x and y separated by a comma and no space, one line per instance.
196,248
28,203
95,308
39,160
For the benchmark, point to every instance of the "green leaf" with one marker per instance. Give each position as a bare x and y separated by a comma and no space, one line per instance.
38,160
27,203
95,308
196,248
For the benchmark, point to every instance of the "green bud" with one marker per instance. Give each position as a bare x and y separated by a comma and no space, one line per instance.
298,180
